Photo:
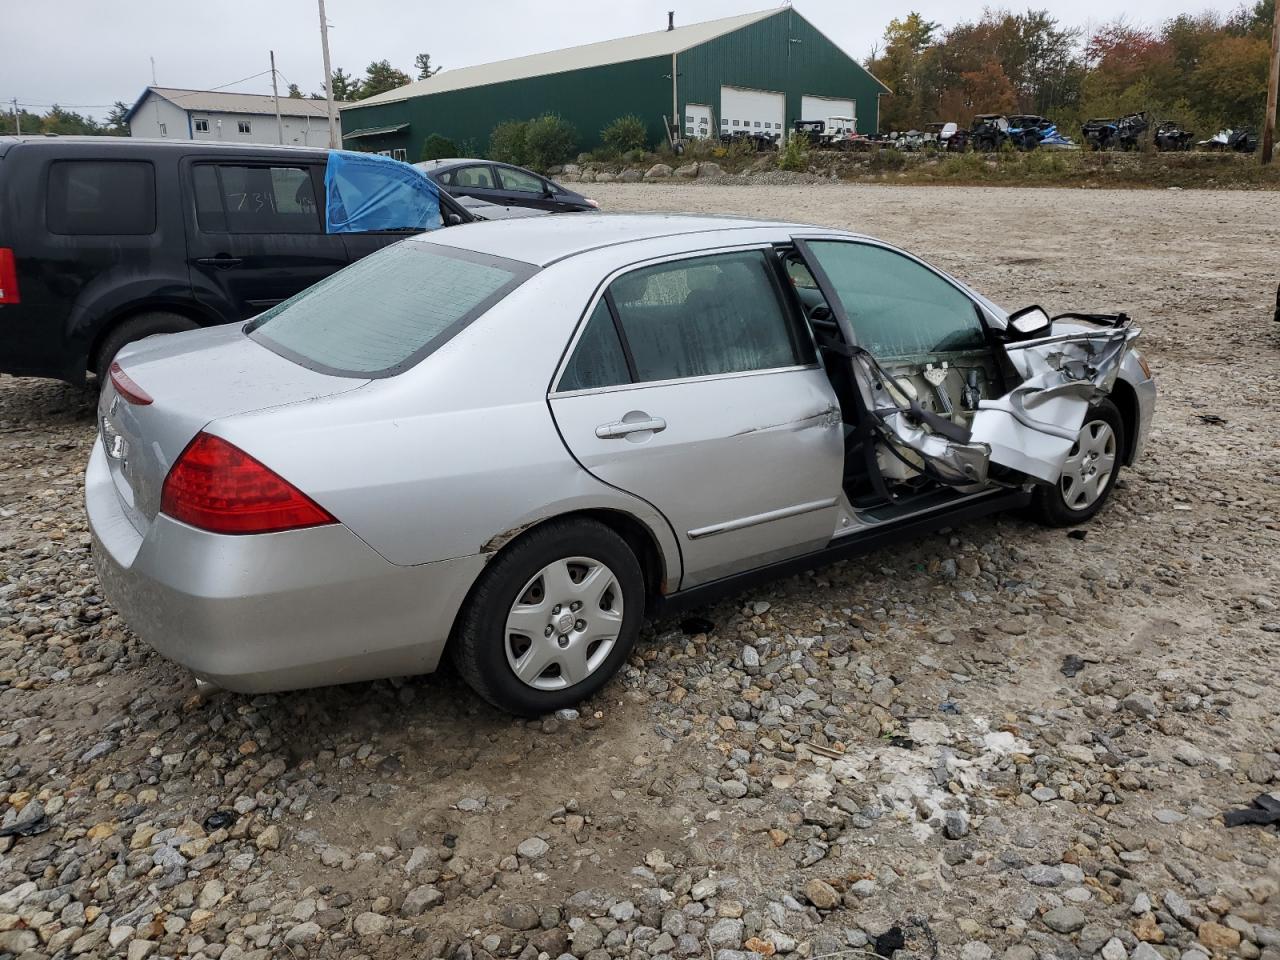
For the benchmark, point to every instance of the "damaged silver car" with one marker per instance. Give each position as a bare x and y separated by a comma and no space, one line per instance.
513,442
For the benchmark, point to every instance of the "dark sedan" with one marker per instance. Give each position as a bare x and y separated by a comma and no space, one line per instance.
504,185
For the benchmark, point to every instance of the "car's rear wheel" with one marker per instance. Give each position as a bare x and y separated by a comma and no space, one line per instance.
552,618
135,328
1089,474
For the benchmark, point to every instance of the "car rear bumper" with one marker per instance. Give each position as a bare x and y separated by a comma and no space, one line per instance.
271,612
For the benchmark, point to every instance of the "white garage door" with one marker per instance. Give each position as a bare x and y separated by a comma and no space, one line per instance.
697,120
757,111
819,108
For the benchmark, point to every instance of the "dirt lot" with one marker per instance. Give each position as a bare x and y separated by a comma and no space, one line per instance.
998,741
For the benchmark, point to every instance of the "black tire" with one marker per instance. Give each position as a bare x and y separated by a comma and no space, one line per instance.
480,642
1050,506
135,328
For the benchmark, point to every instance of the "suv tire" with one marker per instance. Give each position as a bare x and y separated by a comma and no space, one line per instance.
135,328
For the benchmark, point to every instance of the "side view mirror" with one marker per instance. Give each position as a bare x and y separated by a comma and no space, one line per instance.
452,219
1028,323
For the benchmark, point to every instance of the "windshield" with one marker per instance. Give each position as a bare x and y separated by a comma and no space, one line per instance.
385,313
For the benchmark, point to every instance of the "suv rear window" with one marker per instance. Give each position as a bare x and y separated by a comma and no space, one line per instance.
101,198
383,314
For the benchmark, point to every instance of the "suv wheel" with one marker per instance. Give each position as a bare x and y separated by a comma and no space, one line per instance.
135,328
551,619
1089,475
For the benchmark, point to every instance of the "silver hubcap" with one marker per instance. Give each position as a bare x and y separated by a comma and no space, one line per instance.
564,623
1087,472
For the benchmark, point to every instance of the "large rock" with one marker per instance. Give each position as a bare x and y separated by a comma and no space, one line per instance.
659,171
709,169
631,175
1064,919
605,177
420,899
370,924
688,171
821,894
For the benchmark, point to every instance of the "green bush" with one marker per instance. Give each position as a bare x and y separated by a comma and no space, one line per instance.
548,141
437,147
626,134
794,155
507,142
887,158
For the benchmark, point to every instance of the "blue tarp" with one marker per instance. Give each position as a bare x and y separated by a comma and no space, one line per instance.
366,191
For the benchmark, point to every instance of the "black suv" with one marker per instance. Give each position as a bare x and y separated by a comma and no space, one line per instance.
107,240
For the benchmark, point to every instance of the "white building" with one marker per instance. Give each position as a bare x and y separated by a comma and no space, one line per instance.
167,112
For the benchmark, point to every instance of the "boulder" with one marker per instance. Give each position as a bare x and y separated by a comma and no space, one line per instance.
709,169
688,171
631,175
659,171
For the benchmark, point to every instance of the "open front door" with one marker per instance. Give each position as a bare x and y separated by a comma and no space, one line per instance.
945,398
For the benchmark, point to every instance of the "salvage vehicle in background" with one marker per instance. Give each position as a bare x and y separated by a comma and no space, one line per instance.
504,185
1114,133
544,430
106,240
1171,135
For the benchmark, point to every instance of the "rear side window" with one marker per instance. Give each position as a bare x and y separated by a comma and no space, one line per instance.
233,198
101,198
705,316
598,359
386,312
474,177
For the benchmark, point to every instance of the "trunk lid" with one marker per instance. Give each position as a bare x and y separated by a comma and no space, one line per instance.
193,379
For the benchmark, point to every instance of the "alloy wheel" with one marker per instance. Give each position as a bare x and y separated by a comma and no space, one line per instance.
1087,471
564,623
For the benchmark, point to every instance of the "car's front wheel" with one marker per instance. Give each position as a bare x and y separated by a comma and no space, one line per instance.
1089,474
552,618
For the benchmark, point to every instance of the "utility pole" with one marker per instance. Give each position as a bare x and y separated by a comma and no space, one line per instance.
328,78
275,95
17,119
1273,84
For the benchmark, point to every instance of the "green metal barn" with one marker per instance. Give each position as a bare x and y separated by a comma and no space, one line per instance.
757,72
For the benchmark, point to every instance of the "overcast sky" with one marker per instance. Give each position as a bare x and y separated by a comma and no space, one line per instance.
89,53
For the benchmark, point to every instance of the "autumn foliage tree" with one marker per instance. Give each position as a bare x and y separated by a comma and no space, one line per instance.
1205,70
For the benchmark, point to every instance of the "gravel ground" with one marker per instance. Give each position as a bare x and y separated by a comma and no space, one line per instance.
999,741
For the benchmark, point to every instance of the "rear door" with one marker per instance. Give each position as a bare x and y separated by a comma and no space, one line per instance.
478,180
694,386
256,232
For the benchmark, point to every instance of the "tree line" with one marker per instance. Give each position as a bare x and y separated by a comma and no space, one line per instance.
379,77
1206,70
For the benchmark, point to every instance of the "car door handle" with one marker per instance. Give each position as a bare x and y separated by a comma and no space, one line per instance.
220,261
623,428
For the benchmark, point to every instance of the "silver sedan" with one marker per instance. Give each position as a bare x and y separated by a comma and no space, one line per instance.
512,442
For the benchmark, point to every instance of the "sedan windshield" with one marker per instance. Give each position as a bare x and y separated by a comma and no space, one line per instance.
386,312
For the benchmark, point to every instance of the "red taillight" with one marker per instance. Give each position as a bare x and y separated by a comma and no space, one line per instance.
216,486
127,388
8,277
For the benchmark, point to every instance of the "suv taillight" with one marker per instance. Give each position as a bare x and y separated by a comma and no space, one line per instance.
218,487
8,277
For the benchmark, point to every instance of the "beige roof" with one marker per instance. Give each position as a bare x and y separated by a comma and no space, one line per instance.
219,102
643,45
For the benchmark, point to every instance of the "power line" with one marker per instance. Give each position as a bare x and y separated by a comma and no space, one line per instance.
109,106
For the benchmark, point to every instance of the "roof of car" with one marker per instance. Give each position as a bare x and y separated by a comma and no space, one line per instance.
449,162
146,143
544,240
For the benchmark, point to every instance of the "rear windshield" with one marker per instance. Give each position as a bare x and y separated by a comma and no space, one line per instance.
386,312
